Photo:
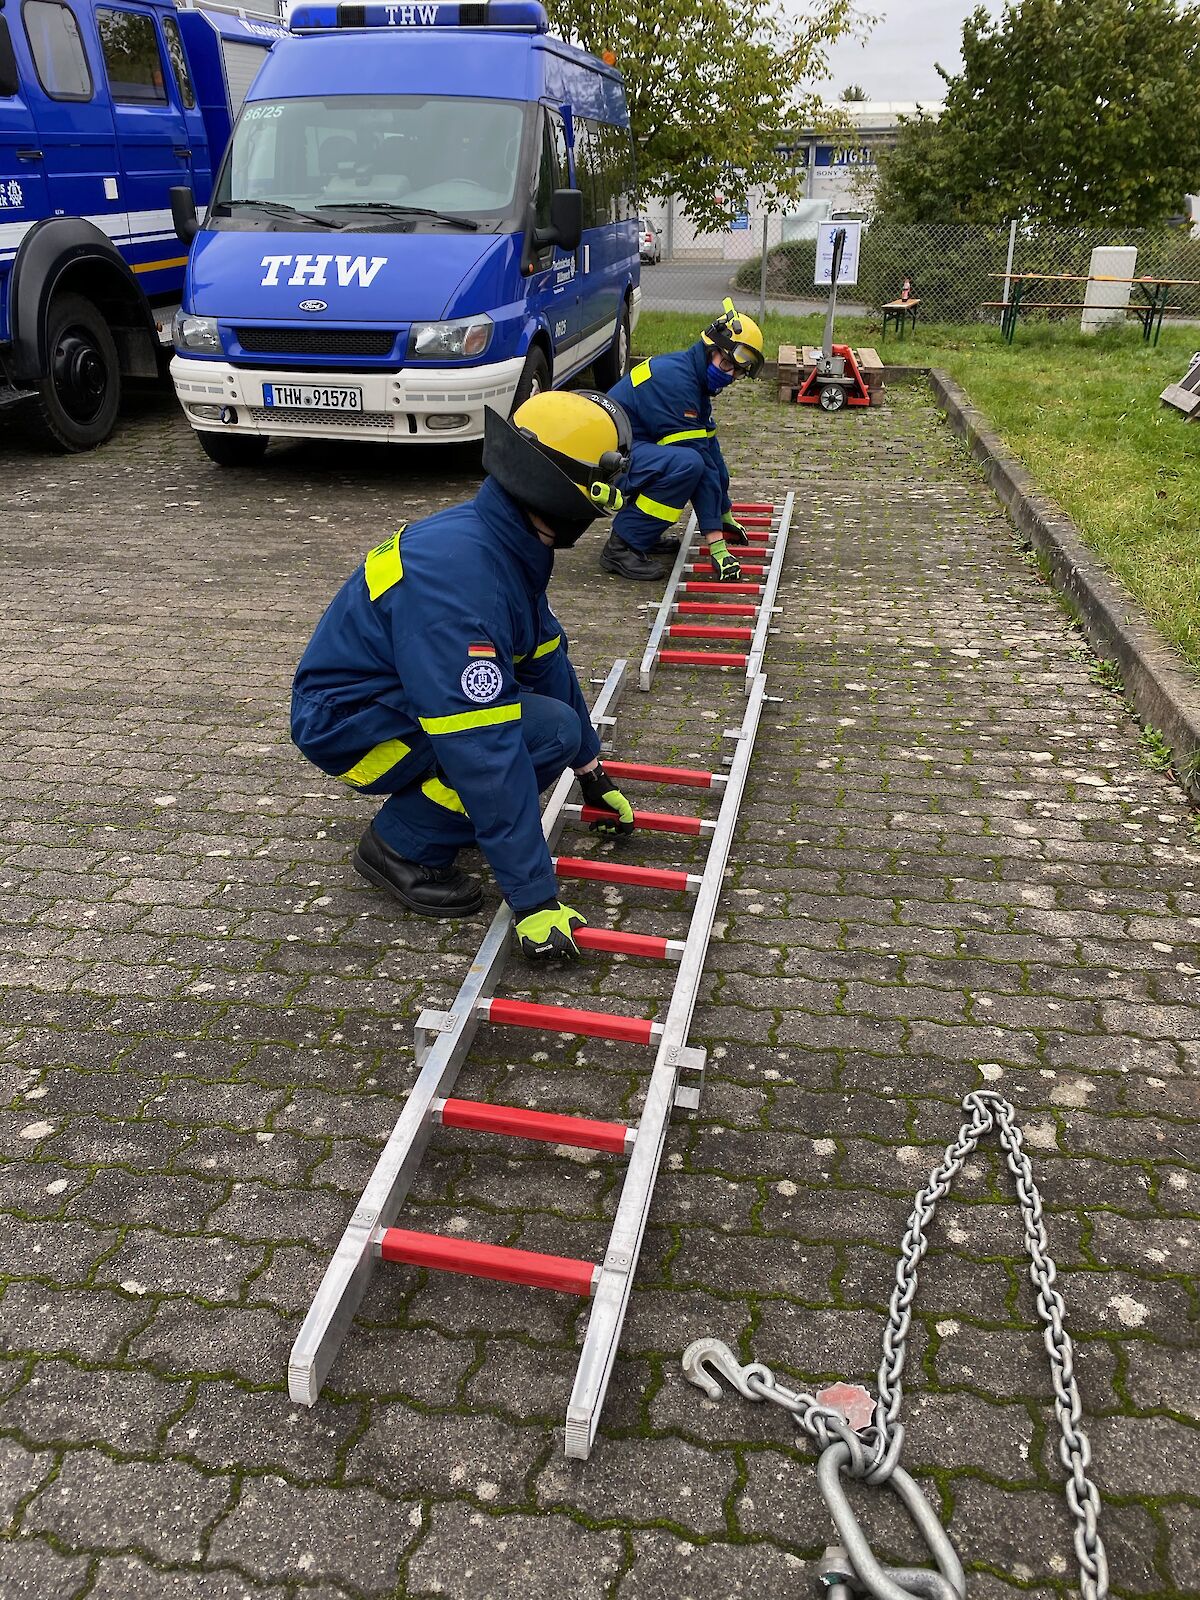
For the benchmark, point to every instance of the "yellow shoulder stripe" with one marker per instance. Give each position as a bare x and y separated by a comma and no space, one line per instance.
640,374
383,566
461,720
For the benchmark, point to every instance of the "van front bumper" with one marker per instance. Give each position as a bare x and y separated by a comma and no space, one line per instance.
397,407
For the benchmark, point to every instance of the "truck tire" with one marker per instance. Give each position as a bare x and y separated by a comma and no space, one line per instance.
234,449
534,379
609,368
77,402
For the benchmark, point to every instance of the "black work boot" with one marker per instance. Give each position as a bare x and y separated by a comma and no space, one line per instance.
626,562
668,547
429,891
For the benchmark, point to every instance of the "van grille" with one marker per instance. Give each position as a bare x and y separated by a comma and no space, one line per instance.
366,421
317,341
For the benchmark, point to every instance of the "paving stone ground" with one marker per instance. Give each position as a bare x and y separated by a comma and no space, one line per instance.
952,869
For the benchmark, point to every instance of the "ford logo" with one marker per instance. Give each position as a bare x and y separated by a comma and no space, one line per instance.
313,305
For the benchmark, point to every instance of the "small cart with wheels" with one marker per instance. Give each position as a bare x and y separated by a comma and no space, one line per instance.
836,379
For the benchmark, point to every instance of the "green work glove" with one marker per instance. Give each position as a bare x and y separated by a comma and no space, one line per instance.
733,530
547,933
599,790
726,567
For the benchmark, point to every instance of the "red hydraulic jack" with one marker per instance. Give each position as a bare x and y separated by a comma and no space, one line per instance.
444,1038
835,381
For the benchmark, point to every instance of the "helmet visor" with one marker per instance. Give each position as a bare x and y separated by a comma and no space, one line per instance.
748,362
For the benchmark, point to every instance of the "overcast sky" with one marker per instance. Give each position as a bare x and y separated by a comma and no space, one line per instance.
897,61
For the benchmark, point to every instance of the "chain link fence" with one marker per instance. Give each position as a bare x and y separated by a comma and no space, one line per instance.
954,270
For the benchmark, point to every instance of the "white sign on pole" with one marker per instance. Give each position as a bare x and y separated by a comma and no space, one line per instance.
849,268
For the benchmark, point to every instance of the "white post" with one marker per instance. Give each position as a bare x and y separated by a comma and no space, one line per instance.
671,228
1012,245
762,273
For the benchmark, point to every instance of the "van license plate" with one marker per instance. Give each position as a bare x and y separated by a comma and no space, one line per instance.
311,397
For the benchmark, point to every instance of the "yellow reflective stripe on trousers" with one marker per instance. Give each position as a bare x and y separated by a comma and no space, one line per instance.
688,433
640,374
655,508
383,566
442,795
471,719
547,646
376,762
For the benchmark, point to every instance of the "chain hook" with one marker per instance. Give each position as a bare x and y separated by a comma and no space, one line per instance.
705,1357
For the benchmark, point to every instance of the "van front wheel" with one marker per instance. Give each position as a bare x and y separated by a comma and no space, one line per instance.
612,366
534,379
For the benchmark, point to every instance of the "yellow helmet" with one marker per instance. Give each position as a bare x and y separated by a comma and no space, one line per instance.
739,337
560,457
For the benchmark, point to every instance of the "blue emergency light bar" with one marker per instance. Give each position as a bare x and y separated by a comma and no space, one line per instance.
312,16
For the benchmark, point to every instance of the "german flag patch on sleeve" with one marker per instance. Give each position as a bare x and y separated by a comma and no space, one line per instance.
481,650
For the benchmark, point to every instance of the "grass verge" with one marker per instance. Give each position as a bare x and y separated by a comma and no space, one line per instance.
1084,416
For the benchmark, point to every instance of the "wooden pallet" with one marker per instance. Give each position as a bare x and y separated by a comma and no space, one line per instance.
796,366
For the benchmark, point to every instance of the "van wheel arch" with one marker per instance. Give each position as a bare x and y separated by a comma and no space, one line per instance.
537,375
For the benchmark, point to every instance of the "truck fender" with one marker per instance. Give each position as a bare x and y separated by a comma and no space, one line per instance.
71,248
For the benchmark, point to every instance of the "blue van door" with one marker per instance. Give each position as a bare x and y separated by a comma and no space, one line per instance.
22,162
152,133
71,112
608,238
554,282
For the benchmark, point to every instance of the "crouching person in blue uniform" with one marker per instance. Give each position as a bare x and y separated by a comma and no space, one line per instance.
439,677
676,457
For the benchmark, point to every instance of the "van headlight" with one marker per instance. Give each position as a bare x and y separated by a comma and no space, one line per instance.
195,333
449,341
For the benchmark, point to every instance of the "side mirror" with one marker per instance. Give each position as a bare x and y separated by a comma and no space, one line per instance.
183,214
566,221
658,230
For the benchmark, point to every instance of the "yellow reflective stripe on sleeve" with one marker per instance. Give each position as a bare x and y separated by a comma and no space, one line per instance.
655,508
442,795
546,646
471,719
375,763
383,566
640,374
688,433
711,433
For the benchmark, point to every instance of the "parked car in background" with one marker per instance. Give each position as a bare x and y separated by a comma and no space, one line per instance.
649,241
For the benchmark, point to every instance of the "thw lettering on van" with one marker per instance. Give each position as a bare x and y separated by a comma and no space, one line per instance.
312,271
411,16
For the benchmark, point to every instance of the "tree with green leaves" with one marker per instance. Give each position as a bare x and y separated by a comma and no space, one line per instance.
1071,112
853,94
712,85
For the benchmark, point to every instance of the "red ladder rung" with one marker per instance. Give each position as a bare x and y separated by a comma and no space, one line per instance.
750,569
651,945
684,777
702,658
650,821
751,505
708,608
707,630
543,1126
497,1261
565,1019
694,587
755,535
596,871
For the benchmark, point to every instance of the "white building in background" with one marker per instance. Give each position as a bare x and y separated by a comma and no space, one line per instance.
838,174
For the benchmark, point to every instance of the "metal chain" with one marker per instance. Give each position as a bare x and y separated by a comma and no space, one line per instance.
875,1451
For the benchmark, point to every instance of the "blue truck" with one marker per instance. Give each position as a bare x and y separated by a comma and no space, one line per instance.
105,106
425,209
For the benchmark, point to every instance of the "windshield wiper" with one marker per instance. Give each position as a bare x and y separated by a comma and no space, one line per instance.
395,210
280,208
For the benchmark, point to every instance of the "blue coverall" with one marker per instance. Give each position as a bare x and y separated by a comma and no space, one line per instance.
675,457
440,676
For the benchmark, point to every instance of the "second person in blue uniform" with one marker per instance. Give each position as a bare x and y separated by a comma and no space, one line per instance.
676,456
439,676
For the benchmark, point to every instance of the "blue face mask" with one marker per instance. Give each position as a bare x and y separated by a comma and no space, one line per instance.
717,378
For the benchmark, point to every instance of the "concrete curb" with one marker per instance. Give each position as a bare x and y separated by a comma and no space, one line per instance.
1162,687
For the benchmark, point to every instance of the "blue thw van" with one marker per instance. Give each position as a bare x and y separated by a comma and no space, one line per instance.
105,106
426,209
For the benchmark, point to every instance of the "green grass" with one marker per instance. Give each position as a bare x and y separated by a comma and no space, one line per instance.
1083,414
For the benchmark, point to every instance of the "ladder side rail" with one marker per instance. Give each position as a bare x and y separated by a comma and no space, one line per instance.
766,610
663,617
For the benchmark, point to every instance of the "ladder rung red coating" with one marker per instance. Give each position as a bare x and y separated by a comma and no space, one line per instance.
544,1126
565,1019
651,945
595,871
650,821
708,608
703,658
708,630
692,587
750,569
752,506
498,1261
755,535
683,777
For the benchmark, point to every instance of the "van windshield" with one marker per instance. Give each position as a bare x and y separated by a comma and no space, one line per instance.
393,163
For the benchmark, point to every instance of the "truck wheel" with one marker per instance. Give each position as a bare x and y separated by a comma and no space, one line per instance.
612,366
535,379
234,449
77,402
